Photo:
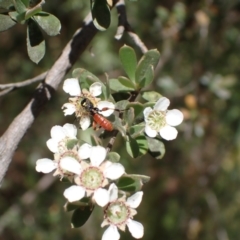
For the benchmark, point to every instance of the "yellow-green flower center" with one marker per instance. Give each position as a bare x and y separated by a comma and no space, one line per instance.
156,120
92,178
117,212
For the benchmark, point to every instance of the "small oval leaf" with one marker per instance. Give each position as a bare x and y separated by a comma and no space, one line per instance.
129,61
132,147
142,144
129,184
151,96
35,42
101,14
6,22
113,157
48,22
19,6
80,216
138,109
156,148
121,84
144,71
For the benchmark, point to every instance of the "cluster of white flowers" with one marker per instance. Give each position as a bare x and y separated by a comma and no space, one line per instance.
88,168
90,177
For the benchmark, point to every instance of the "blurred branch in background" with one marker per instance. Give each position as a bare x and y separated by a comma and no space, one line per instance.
28,198
12,86
123,25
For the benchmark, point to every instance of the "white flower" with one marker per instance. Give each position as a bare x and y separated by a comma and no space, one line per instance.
119,213
91,178
59,137
75,105
46,165
162,121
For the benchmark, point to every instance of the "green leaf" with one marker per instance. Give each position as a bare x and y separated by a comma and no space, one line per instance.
136,130
19,6
138,109
143,178
101,14
122,105
6,4
48,22
129,61
151,96
15,16
145,69
132,147
80,216
35,42
119,126
129,184
113,157
142,144
6,22
148,77
121,84
68,207
26,2
129,116
149,104
156,148
85,76
71,143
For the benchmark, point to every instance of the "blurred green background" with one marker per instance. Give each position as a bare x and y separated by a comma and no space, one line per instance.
194,191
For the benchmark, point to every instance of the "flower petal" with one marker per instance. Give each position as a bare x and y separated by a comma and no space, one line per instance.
106,108
98,154
95,89
146,112
113,192
114,171
74,193
111,233
168,132
52,145
84,151
101,197
72,87
174,117
57,133
162,104
45,165
70,130
150,132
69,109
70,164
135,199
135,228
85,122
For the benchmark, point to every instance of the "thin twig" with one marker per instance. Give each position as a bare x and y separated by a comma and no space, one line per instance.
123,25
6,91
24,83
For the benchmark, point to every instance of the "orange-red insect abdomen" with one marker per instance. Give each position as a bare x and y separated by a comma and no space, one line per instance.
103,122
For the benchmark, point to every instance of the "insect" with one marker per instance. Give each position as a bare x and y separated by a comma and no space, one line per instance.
94,112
